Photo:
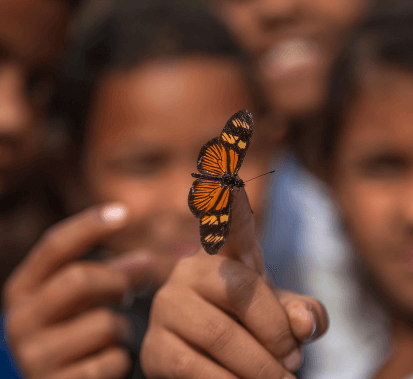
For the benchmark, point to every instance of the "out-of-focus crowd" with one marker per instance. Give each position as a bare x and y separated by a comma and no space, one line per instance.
104,107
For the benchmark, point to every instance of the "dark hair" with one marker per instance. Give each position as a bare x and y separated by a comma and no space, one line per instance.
384,37
73,3
134,32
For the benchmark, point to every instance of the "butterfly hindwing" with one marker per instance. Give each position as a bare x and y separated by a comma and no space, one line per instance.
208,196
214,228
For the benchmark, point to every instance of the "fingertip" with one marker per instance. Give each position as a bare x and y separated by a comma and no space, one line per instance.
293,361
302,320
114,214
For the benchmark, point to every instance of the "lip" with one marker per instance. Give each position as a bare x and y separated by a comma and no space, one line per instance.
289,58
408,259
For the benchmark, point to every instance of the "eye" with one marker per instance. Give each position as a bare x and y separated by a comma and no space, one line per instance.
40,87
385,166
141,165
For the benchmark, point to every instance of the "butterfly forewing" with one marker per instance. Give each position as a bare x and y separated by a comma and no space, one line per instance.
210,198
213,158
236,138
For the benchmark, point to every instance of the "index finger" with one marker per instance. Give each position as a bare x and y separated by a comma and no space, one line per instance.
242,244
63,243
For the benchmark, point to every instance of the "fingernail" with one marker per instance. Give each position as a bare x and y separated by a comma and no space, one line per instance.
290,376
114,213
125,330
294,360
313,334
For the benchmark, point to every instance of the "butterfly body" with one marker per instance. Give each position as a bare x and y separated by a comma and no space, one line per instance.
226,179
210,197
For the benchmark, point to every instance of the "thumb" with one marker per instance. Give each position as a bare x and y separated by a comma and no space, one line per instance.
242,244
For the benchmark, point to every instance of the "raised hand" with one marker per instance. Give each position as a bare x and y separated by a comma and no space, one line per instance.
58,320
221,317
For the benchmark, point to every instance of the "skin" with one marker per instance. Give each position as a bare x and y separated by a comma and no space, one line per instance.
32,36
163,130
320,27
372,181
76,335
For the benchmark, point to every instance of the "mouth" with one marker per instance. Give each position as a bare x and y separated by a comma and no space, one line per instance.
289,59
408,259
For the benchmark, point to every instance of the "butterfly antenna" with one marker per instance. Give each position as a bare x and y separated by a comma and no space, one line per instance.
270,172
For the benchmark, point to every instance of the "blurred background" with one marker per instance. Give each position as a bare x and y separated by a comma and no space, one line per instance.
104,100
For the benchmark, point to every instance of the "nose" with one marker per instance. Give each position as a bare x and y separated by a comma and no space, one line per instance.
406,205
14,107
275,12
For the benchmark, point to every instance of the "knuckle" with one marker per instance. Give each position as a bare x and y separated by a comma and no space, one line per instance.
150,349
31,357
107,321
18,323
77,277
93,370
242,287
51,239
162,297
282,341
218,334
183,366
266,370
118,359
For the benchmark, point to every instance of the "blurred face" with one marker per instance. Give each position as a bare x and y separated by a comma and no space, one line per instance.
31,38
293,44
146,129
373,181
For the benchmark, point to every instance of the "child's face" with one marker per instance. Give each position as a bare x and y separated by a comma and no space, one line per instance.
146,129
294,43
372,180
32,33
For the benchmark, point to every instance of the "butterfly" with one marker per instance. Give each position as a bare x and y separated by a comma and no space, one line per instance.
210,197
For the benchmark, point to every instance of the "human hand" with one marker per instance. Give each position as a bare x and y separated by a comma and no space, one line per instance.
58,321
222,317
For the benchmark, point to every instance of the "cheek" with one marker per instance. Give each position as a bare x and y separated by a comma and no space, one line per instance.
243,24
367,214
340,15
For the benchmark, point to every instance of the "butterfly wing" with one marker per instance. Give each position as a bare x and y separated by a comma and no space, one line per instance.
236,138
211,202
214,228
226,153
213,158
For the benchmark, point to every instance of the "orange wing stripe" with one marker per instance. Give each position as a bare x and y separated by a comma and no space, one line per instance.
224,200
215,160
233,159
206,195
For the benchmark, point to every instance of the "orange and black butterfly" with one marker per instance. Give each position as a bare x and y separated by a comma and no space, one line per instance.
210,197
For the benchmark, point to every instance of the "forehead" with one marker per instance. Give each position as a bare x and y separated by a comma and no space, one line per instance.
382,113
168,101
33,30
